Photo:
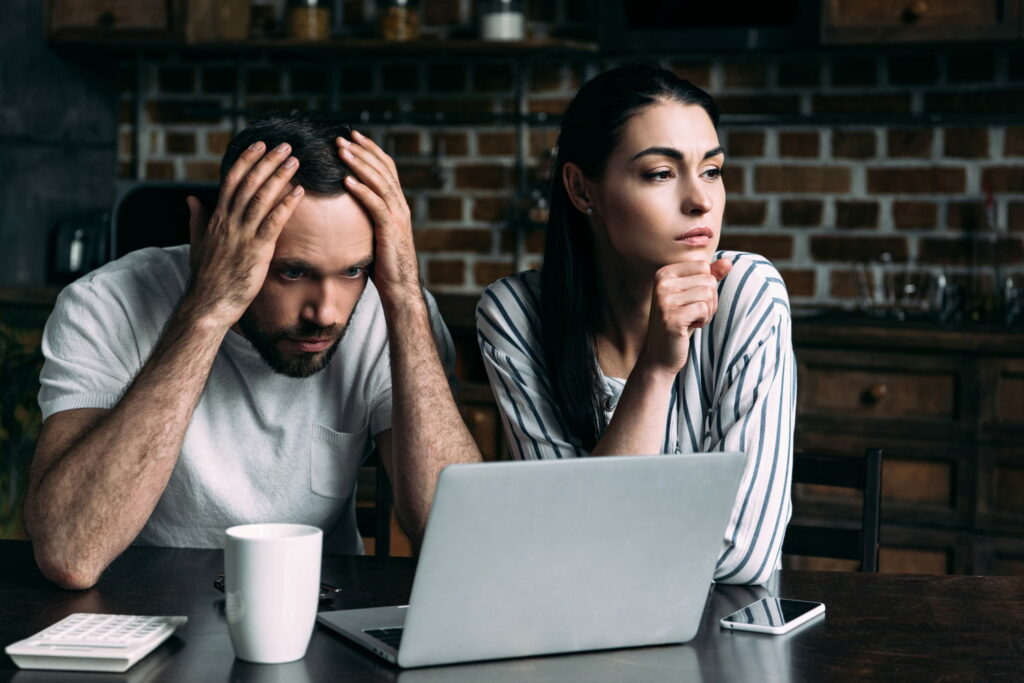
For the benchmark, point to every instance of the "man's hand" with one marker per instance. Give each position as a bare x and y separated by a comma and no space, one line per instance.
395,271
427,430
685,298
98,475
231,251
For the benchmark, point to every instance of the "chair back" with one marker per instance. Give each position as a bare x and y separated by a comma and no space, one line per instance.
375,522
818,538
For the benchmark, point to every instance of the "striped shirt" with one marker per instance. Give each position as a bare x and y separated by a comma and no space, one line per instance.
737,392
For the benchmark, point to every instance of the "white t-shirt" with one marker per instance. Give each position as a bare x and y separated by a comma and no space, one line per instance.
261,446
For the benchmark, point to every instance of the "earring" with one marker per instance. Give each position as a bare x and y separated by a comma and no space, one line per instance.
590,211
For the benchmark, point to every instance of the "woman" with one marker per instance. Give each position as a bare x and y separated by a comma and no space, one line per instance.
636,336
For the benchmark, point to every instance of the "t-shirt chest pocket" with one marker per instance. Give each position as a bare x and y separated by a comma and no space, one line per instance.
334,460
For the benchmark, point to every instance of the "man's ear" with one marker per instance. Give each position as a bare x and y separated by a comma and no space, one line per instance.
577,186
197,220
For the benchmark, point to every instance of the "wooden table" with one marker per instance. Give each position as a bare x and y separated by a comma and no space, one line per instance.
877,627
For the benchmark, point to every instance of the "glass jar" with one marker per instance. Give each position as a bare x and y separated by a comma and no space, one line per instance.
399,20
309,20
501,20
267,19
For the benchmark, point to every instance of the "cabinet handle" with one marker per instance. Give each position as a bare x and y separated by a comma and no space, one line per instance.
912,12
107,19
874,394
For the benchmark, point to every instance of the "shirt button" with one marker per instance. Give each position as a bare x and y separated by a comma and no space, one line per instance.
609,403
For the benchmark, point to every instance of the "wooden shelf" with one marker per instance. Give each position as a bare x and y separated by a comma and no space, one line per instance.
149,43
29,296
838,329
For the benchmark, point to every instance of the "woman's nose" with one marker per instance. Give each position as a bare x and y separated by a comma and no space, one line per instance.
696,199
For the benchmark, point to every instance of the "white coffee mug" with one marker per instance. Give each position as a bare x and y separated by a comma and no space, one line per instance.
272,583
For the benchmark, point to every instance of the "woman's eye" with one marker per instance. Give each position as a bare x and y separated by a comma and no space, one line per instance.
713,173
658,175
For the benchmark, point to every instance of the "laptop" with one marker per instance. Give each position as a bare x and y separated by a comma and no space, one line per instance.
555,556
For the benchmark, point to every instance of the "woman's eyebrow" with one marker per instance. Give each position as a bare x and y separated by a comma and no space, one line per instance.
674,153
714,152
670,152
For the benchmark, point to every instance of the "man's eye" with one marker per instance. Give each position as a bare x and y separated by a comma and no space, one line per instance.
353,272
292,273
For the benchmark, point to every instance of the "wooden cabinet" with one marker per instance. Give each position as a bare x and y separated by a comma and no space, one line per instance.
874,21
195,21
97,18
947,408
902,386
79,17
1003,405
480,412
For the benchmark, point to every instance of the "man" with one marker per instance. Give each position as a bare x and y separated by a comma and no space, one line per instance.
242,380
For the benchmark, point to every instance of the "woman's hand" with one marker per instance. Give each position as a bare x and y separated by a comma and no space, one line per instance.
685,298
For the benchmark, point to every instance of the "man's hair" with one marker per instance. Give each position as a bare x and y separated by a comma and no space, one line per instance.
311,136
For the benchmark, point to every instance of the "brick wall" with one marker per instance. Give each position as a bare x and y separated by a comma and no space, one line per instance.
834,156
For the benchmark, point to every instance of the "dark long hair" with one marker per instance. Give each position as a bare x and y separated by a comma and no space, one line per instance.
591,128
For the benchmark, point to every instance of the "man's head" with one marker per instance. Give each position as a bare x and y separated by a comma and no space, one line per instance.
322,257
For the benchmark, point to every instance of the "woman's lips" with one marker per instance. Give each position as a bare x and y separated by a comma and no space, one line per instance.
698,237
311,345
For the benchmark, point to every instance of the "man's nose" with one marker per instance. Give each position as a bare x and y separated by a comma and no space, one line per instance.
320,308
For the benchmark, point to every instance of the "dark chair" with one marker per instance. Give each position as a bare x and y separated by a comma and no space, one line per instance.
818,537
154,214
375,522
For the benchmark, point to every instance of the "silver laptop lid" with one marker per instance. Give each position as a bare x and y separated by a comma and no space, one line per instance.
528,558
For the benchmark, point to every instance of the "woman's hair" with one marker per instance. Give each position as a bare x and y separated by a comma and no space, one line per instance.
591,129
311,136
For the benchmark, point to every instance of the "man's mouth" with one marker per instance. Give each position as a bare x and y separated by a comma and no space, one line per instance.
311,344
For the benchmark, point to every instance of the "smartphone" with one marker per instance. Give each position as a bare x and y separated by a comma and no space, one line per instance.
327,591
773,615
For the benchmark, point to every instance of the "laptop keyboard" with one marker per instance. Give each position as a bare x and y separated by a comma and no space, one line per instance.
389,636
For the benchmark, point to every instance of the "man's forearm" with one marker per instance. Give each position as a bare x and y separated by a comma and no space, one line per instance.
427,428
95,494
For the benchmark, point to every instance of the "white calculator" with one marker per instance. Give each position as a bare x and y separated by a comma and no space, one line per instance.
93,642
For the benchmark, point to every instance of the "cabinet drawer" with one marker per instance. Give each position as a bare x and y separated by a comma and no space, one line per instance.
1007,395
831,386
910,20
483,420
929,482
109,15
891,560
1000,496
906,550
483,424
1009,490
999,555
910,550
913,560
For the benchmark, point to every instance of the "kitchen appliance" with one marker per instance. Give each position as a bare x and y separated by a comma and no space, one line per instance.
81,242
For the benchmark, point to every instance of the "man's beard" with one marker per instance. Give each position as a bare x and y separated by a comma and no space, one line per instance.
303,364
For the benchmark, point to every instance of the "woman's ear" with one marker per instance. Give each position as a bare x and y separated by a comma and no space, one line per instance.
577,186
